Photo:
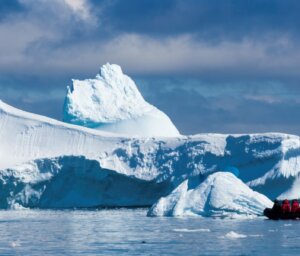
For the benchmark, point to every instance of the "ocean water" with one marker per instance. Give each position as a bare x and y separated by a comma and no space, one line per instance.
130,232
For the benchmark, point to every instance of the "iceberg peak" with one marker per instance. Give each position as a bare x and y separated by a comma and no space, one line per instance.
109,71
112,102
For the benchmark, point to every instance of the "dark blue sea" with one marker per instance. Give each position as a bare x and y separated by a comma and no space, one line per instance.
130,232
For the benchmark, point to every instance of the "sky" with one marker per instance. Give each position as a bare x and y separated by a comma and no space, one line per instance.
226,66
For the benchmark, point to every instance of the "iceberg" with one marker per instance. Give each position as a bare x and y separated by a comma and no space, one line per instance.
91,160
266,162
220,195
112,102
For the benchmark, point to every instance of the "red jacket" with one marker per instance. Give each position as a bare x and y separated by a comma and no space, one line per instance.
295,206
286,206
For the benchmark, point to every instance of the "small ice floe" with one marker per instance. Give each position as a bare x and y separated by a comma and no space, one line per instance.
185,230
234,235
287,225
15,244
17,206
273,230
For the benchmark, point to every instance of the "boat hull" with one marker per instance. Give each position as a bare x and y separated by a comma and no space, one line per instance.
268,212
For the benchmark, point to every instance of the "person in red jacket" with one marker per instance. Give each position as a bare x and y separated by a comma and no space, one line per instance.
295,206
285,207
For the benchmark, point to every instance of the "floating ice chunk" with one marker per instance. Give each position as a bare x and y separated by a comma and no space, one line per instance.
15,244
220,195
234,235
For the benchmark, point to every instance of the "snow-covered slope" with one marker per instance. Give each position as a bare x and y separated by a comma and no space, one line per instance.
268,163
25,136
112,102
220,195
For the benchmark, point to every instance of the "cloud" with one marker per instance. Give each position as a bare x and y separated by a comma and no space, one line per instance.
273,58
80,7
43,26
185,55
196,112
220,61
211,20
58,36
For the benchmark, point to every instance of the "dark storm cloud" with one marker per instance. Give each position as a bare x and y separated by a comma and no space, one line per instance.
216,19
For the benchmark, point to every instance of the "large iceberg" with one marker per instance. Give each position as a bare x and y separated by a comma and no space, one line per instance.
39,154
51,164
112,102
220,195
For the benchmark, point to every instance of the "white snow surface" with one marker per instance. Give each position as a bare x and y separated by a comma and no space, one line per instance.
220,195
112,102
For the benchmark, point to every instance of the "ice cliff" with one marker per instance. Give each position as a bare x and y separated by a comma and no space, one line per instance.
73,182
112,102
220,195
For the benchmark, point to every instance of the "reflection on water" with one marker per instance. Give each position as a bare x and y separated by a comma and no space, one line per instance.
130,232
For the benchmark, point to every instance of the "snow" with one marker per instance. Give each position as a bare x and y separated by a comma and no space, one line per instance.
25,136
112,102
220,195
292,192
